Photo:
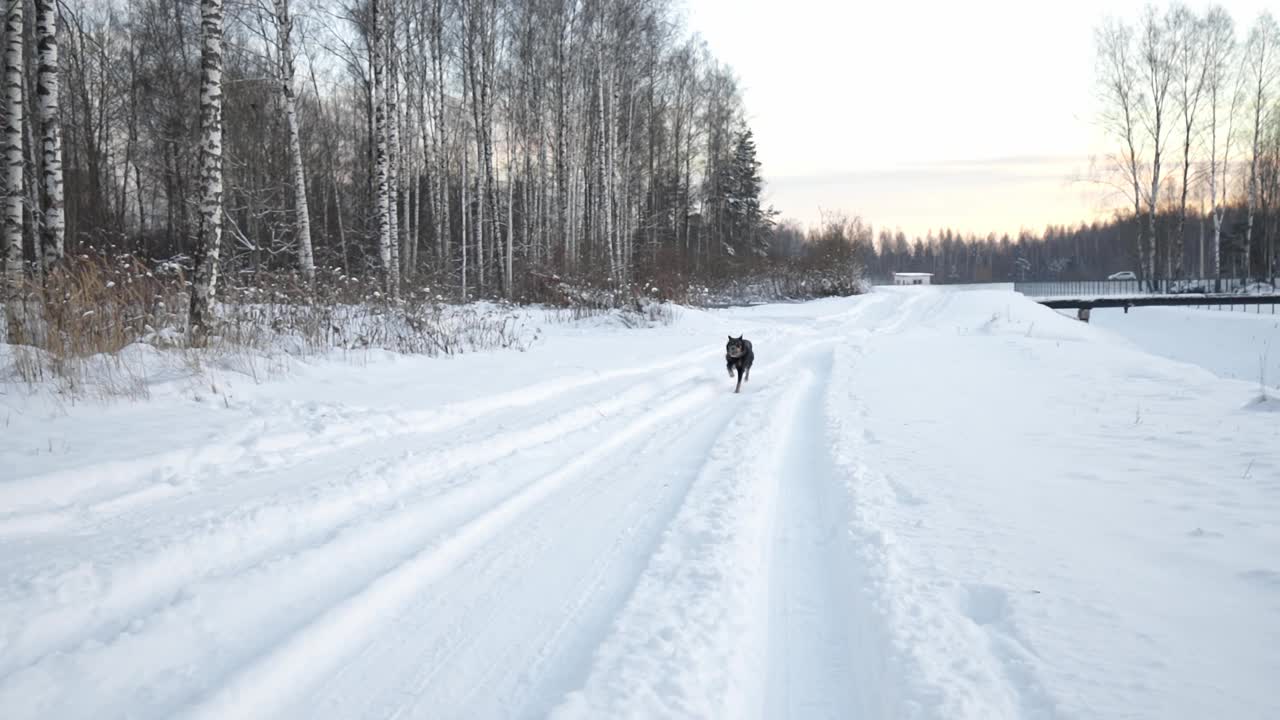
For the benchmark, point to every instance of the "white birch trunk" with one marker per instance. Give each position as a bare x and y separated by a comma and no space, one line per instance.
440,181
1220,37
302,226
1193,67
465,212
508,263
13,60
382,202
52,236
393,150
209,237
13,172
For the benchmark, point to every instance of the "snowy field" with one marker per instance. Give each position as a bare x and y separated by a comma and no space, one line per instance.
1231,343
924,504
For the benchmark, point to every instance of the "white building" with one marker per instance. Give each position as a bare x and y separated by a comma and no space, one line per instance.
905,278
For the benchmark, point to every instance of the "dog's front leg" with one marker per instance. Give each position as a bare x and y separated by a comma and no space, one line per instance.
729,367
739,387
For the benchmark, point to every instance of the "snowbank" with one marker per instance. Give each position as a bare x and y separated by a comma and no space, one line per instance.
1239,345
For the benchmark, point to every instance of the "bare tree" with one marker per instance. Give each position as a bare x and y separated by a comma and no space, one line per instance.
1269,194
1260,70
288,96
381,161
390,17
13,158
604,123
479,48
1121,102
1191,69
209,237
1156,69
439,141
53,229
1222,84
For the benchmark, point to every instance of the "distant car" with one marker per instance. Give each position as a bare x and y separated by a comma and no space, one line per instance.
1123,275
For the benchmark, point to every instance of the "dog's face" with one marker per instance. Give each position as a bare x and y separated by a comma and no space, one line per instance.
735,348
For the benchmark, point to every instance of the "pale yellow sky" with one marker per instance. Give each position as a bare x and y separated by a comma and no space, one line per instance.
919,115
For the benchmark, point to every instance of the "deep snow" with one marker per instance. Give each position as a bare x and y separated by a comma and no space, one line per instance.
1229,343
925,504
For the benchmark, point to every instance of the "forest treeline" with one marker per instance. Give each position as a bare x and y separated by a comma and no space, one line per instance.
493,148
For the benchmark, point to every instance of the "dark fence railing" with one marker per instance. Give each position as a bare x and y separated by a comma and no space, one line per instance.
1120,288
1220,301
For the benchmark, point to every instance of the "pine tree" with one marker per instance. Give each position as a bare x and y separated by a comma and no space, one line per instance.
749,223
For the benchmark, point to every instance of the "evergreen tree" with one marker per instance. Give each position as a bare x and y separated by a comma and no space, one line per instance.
749,223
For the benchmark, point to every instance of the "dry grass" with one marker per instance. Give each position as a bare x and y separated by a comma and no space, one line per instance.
73,330
632,305
99,325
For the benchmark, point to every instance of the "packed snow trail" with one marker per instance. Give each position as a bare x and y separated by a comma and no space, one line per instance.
924,504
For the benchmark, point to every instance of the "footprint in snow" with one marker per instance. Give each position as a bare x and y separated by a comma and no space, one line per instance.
986,604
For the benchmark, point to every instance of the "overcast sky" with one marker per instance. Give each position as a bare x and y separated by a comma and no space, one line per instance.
973,115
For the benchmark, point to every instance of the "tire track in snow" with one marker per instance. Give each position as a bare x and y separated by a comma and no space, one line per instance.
193,609
811,670
115,483
140,578
315,650
908,305
285,661
692,639
469,652
213,627
513,627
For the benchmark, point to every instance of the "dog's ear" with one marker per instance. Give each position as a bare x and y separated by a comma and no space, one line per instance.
739,337
730,337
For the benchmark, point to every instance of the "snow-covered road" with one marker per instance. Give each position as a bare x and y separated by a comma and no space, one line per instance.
924,504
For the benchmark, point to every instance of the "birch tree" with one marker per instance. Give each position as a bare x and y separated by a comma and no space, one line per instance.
390,19
13,176
209,236
479,47
1260,71
1221,84
288,97
1191,68
1121,104
440,171
586,128
382,201
53,229
1269,193
1156,69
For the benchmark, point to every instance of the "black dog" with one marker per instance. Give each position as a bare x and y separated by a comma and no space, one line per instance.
739,356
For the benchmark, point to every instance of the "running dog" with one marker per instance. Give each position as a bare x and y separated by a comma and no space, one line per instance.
739,356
